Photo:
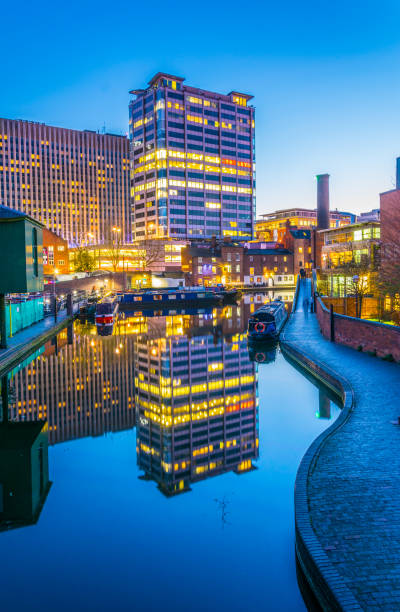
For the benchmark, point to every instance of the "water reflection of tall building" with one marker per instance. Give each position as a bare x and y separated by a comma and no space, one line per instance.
82,385
196,401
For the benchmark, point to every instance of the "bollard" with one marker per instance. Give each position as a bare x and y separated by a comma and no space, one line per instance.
70,309
332,316
55,307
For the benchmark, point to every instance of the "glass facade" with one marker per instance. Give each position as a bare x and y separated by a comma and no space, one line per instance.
192,162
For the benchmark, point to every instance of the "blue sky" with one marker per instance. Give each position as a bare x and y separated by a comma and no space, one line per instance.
325,76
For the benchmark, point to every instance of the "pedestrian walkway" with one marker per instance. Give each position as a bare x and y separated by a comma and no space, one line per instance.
28,339
353,488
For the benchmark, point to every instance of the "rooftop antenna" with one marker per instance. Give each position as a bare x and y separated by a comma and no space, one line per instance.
103,129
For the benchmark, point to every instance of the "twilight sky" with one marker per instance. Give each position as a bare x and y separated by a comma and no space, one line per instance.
325,76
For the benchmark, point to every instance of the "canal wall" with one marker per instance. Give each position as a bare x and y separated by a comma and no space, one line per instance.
370,307
116,281
379,339
347,493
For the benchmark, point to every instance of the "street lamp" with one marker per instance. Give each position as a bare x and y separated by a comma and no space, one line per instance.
55,272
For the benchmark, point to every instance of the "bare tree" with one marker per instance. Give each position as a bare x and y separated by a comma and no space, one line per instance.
362,275
150,252
113,244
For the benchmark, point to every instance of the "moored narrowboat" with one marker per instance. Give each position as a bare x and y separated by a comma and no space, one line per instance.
106,310
267,322
159,299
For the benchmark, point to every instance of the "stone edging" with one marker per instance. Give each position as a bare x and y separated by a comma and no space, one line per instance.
324,580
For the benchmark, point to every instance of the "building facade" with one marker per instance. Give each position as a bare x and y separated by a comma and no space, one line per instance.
55,254
75,183
192,162
348,252
266,266
275,225
230,263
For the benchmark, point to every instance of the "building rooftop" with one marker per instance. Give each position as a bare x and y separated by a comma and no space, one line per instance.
8,214
268,252
289,212
350,227
171,77
56,127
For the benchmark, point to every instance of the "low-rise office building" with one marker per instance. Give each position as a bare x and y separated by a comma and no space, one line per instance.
275,225
347,252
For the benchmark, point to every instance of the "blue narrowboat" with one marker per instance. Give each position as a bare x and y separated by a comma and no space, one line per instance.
165,299
266,323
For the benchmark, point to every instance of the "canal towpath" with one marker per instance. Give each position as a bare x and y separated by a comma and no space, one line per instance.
29,339
352,482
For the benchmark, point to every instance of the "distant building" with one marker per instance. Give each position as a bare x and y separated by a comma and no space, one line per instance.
213,263
372,215
275,225
55,254
222,262
268,267
356,243
299,242
75,183
192,156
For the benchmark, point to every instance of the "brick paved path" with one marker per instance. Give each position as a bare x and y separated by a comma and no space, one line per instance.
354,488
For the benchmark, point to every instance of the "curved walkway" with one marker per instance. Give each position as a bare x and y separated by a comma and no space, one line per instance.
352,485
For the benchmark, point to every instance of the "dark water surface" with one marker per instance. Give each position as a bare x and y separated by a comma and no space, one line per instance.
159,500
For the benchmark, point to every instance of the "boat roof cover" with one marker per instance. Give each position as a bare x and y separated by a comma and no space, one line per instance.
271,307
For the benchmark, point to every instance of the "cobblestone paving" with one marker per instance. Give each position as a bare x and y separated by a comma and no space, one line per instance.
354,489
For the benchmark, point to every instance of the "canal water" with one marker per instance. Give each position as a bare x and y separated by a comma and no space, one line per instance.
167,483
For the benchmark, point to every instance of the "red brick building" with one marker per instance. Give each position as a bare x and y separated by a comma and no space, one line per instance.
390,248
211,263
298,241
229,263
55,254
261,266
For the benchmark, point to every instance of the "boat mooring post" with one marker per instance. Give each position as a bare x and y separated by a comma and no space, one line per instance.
332,319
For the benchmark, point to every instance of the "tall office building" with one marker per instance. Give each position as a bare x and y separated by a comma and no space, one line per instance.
76,183
192,162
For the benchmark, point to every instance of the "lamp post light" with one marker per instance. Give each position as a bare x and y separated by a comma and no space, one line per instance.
55,272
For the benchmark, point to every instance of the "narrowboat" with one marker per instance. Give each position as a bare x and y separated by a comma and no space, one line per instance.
266,323
106,310
159,300
88,310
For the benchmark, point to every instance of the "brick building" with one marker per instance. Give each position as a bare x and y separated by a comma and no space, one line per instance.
213,263
263,266
55,254
229,263
390,245
298,242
